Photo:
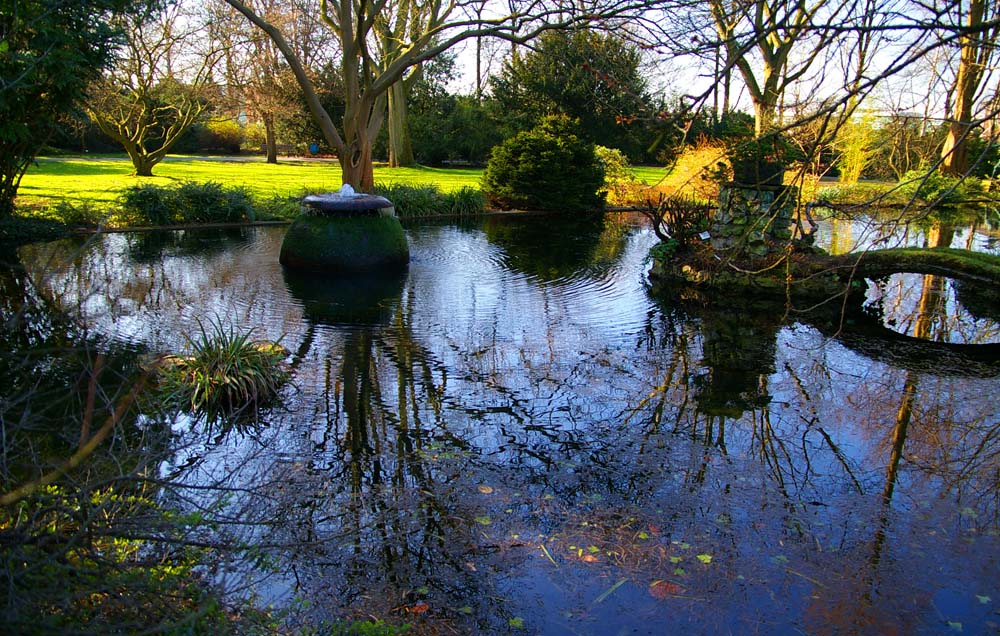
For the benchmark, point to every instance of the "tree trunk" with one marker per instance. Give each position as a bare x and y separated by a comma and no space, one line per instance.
13,164
270,143
356,165
975,53
142,164
400,145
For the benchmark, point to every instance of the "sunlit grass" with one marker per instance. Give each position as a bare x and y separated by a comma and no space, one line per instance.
650,175
100,180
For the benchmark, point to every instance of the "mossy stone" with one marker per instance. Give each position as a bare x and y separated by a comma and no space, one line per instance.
345,243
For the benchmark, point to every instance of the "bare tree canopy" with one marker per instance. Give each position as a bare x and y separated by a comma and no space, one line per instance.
369,69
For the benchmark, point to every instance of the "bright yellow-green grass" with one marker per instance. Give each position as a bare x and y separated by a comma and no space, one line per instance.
650,175
99,180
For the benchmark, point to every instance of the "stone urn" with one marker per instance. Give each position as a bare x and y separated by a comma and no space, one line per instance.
345,231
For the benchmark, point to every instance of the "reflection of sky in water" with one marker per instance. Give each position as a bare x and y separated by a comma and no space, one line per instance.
600,418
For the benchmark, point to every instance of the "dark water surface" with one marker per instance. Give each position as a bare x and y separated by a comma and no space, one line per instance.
517,436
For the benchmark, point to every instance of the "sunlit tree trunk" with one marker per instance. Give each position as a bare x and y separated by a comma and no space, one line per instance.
270,142
976,50
400,144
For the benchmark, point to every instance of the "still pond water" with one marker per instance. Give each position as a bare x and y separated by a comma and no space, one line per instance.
518,436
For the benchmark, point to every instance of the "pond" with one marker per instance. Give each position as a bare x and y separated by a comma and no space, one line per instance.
518,436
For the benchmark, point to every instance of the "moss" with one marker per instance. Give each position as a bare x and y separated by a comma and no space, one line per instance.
819,274
330,244
954,263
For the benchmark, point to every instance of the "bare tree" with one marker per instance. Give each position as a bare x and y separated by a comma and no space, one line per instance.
258,81
368,79
157,90
773,30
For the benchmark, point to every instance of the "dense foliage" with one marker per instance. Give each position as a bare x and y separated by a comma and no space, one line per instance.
586,75
49,52
546,168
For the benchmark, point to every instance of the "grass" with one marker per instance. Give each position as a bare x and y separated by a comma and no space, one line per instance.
99,180
226,374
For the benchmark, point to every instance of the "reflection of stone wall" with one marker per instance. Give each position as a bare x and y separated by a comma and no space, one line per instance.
738,349
750,219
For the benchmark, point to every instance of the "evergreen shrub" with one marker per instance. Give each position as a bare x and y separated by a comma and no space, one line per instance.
546,168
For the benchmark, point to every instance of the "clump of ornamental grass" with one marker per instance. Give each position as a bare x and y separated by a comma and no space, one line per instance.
226,376
422,201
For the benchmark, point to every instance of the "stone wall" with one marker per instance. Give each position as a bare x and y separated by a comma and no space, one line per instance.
753,220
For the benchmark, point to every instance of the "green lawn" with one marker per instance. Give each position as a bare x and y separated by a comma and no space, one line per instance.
650,175
100,179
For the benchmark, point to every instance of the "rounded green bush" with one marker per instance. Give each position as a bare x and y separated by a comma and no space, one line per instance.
546,168
345,243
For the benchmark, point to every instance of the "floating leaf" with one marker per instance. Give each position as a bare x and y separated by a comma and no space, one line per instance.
663,590
676,559
653,528
779,559
983,600
683,545
593,549
419,608
423,590
483,521
679,572
465,609
517,622
486,490
705,558
588,558
954,626
643,535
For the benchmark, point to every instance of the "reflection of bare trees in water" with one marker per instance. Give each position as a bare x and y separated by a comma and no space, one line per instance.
378,506
934,433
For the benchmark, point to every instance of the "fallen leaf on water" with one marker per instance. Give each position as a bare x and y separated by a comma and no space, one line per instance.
466,609
517,622
705,558
484,521
676,559
679,572
983,600
419,608
486,490
643,535
593,549
588,558
663,589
